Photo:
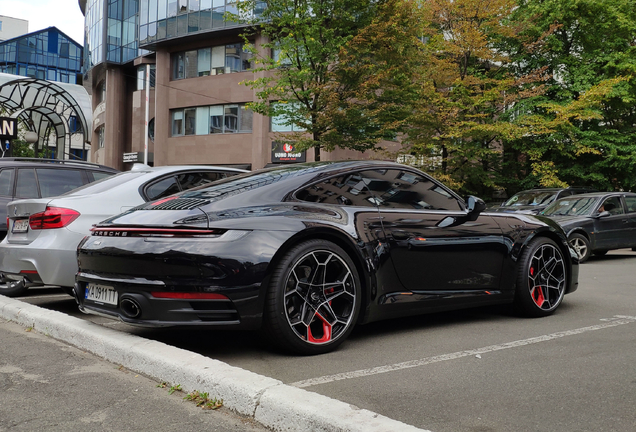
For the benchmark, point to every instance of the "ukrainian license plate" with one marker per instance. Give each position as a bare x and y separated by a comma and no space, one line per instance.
20,226
101,294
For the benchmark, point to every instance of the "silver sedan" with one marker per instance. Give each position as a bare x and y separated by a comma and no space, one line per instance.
43,233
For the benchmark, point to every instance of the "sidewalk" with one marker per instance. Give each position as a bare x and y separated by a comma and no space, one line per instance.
49,385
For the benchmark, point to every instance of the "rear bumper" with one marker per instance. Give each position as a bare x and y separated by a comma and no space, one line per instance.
51,259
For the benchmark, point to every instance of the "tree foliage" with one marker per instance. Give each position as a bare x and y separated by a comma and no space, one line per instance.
339,77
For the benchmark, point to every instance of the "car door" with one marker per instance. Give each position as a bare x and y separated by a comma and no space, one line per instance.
435,249
630,207
611,230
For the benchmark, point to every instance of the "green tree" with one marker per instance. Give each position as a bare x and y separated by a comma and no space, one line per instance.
336,77
589,53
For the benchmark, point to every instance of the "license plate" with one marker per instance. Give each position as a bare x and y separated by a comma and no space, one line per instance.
101,294
20,226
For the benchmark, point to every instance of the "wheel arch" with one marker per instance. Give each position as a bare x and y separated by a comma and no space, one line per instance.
342,240
564,248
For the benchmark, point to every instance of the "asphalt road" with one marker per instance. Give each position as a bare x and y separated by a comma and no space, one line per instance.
474,370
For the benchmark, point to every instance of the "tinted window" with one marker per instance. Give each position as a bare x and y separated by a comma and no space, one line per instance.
99,175
162,188
350,189
631,203
404,189
54,182
194,179
6,182
571,207
26,186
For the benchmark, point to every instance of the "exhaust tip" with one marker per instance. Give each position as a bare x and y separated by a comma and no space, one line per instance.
130,308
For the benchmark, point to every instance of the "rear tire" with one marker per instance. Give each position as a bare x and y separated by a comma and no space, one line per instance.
314,298
581,245
541,278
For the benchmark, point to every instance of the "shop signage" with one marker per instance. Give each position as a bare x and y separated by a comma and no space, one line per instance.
283,152
8,128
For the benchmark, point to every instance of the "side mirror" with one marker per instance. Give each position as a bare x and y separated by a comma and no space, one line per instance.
603,214
475,205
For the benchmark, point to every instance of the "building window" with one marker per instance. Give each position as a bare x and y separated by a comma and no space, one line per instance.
101,91
280,123
100,136
206,120
141,76
211,61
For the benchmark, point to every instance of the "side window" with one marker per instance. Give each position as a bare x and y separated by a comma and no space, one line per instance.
54,182
631,204
98,175
26,186
162,188
403,189
350,189
194,179
612,205
6,182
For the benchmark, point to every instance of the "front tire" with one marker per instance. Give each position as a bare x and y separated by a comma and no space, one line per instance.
313,299
581,246
541,278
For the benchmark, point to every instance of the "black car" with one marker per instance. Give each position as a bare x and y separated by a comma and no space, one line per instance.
42,178
310,250
533,201
598,222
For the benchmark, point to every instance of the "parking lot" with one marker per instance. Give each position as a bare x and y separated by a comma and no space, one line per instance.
473,370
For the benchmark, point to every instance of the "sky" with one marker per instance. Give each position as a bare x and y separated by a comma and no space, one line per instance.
63,14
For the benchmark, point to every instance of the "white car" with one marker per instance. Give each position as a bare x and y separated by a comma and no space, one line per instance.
43,233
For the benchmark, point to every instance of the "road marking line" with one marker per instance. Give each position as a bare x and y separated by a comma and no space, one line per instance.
616,321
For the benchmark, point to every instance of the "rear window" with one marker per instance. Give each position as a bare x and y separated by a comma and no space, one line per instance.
99,175
106,183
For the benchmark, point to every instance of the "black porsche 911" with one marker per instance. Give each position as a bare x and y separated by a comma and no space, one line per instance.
308,251
596,222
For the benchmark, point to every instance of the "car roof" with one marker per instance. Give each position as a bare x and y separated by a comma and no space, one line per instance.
599,194
37,162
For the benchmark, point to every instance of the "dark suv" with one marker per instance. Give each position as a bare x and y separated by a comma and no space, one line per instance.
41,178
533,201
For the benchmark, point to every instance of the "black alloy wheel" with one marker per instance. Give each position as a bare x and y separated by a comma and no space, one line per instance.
313,299
541,278
581,246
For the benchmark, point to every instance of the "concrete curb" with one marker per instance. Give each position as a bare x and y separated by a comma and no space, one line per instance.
270,402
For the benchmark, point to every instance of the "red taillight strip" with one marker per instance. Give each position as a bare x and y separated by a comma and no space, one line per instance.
29,271
188,295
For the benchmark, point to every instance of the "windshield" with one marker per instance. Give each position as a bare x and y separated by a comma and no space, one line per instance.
531,198
105,184
571,207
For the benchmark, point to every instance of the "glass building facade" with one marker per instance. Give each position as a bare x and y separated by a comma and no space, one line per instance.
46,54
116,29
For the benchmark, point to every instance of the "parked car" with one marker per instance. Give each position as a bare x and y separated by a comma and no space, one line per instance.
534,201
598,222
310,250
41,178
44,233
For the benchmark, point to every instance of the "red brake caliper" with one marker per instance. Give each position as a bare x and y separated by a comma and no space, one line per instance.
326,332
537,295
